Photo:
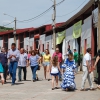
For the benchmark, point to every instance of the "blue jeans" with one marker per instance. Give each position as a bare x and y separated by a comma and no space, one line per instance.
34,69
12,70
20,72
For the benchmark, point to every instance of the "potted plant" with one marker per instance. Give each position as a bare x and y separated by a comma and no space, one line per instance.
80,58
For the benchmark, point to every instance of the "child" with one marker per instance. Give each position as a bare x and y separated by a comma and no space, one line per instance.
69,74
54,69
1,74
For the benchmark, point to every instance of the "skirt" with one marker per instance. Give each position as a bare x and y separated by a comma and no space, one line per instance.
68,81
54,74
1,68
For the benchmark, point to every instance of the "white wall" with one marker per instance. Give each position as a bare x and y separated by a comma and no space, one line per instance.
1,43
95,16
64,49
17,44
10,41
42,41
86,32
69,33
31,42
48,39
70,39
26,42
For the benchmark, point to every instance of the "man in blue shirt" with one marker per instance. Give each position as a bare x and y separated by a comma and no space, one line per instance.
3,61
13,56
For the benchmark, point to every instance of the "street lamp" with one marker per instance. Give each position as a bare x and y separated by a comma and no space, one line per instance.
14,32
8,15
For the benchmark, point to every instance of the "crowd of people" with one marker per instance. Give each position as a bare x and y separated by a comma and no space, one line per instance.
55,66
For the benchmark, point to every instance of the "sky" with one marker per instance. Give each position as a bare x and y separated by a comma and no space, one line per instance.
26,9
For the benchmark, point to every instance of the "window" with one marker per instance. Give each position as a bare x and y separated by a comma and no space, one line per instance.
11,36
37,43
31,35
1,37
21,37
27,34
16,37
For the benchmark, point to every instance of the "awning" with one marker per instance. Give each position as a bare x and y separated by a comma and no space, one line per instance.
60,38
77,29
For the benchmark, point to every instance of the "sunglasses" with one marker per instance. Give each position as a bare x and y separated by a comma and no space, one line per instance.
57,50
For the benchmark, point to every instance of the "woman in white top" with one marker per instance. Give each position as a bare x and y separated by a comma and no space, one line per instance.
54,69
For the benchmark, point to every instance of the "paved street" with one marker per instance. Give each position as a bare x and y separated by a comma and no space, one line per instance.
41,90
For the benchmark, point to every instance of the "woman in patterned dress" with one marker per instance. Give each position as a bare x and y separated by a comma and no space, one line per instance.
69,73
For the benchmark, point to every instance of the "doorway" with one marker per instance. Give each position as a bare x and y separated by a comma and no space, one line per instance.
79,44
37,43
60,46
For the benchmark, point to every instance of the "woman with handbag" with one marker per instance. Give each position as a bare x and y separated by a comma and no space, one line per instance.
34,62
1,73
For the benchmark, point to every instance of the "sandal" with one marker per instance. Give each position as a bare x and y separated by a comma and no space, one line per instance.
34,80
92,89
37,79
56,88
82,89
52,88
48,79
66,89
2,81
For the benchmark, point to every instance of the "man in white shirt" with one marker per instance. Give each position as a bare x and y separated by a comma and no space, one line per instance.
13,56
22,64
87,70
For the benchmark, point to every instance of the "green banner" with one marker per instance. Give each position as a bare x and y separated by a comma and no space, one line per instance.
77,29
60,38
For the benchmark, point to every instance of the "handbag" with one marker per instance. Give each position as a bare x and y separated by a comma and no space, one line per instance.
38,64
38,67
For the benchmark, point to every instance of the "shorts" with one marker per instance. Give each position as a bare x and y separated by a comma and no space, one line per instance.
45,64
54,74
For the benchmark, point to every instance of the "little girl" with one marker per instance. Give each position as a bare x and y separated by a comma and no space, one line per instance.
69,74
54,69
1,74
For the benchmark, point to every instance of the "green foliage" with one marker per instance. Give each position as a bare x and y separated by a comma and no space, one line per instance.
80,58
2,28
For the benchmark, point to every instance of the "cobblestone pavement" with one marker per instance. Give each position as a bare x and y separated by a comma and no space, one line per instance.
41,90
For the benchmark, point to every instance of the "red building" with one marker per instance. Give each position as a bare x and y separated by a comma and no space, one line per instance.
32,33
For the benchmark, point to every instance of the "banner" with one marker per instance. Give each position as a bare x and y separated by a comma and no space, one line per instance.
60,38
77,29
